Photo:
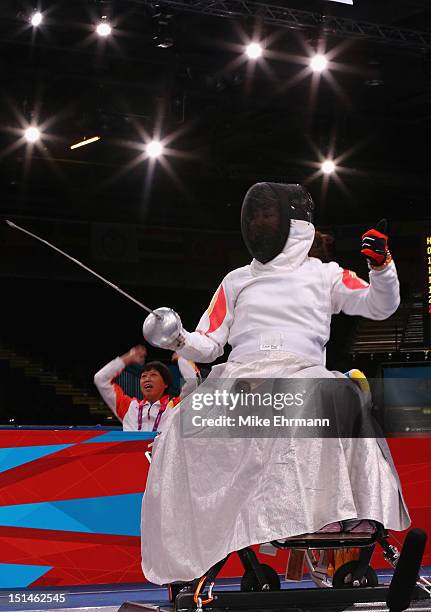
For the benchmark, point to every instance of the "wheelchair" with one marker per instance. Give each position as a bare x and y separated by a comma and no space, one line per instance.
352,582
339,584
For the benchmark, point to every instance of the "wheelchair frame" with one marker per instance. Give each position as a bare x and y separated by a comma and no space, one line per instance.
401,590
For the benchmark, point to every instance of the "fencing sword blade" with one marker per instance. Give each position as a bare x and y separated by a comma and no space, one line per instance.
79,263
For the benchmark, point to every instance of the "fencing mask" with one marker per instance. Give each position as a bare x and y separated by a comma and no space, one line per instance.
266,214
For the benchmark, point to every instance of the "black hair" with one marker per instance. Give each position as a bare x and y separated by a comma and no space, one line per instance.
162,369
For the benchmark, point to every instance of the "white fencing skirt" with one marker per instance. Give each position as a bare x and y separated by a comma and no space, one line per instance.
208,497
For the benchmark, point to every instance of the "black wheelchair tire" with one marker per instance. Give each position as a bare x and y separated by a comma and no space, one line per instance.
343,576
249,581
406,571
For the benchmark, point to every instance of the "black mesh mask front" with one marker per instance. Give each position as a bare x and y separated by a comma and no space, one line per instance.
267,211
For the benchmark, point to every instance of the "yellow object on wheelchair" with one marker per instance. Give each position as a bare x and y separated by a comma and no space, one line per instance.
360,379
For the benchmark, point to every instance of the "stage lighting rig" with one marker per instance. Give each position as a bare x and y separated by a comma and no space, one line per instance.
328,166
105,11
32,134
254,50
318,63
163,35
36,18
154,149
104,28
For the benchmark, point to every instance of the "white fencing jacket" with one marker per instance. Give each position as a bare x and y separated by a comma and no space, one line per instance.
287,304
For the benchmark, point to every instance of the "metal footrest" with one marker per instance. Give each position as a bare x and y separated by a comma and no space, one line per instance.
286,598
327,540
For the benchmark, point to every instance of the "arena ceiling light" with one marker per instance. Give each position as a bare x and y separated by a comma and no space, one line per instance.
254,50
318,63
32,134
328,166
104,28
154,149
84,142
36,18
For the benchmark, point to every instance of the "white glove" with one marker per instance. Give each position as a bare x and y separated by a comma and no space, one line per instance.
165,330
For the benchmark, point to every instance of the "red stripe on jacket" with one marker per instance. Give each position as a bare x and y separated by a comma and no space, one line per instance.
351,281
217,310
122,401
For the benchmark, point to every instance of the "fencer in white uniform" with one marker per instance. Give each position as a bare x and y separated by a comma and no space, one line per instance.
208,497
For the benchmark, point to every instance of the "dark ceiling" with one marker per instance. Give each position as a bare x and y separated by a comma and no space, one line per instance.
229,122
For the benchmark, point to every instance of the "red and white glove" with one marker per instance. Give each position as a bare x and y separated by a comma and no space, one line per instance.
375,244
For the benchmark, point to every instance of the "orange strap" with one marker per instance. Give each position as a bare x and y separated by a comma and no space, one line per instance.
198,592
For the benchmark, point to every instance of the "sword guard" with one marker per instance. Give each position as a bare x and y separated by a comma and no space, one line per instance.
163,328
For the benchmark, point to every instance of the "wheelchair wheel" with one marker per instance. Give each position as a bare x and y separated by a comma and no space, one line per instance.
343,577
407,570
249,581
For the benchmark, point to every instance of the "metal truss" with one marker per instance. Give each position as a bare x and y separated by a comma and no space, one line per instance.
292,18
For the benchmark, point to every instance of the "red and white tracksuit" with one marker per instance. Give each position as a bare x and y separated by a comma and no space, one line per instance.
138,415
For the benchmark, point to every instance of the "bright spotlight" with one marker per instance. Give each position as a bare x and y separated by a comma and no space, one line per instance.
36,19
32,134
103,28
318,63
328,166
253,50
154,149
